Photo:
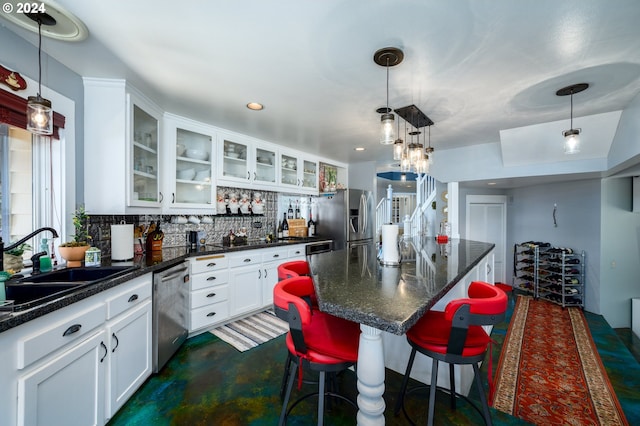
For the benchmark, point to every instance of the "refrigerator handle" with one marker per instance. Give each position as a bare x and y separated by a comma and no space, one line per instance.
362,215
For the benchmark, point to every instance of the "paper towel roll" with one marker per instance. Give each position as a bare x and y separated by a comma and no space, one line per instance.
390,252
122,242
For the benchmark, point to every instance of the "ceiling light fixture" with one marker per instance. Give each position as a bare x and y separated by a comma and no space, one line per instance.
398,145
414,156
39,113
571,136
387,57
255,106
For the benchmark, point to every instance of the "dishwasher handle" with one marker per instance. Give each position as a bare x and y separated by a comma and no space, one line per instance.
173,275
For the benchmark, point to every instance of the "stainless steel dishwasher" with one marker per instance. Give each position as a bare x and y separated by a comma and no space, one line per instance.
170,290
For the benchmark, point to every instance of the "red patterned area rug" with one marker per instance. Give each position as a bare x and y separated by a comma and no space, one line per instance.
550,372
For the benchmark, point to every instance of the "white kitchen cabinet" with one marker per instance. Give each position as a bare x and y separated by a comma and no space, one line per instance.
78,364
245,281
271,259
246,163
298,172
188,164
67,389
209,291
122,156
129,340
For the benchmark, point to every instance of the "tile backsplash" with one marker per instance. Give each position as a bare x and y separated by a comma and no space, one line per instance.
258,226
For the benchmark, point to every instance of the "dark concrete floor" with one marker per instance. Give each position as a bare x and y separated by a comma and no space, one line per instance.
210,383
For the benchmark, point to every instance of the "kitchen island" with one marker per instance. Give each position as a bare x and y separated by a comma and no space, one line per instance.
387,301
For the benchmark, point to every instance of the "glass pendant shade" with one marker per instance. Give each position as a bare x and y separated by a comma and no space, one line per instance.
571,141
387,133
398,148
39,115
405,164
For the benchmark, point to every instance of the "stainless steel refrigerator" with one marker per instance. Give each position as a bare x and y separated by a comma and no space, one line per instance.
346,217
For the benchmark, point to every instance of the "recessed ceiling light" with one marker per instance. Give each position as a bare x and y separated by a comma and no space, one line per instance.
359,148
255,106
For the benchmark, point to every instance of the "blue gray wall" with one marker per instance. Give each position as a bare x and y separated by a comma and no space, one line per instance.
19,55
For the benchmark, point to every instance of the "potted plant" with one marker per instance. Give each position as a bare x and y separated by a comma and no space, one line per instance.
13,258
73,251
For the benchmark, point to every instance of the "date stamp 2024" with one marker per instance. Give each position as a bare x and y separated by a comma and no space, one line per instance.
24,7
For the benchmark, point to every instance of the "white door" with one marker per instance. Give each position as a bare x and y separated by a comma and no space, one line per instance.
487,221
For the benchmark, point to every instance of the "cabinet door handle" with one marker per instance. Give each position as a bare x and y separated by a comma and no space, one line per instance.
211,265
248,175
161,197
210,314
211,278
173,198
265,273
117,342
133,298
106,351
211,295
255,176
73,329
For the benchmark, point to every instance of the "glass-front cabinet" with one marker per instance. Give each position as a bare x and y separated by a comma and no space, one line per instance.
246,162
189,166
144,158
298,172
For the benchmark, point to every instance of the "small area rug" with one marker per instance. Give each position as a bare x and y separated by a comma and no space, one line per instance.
252,331
550,371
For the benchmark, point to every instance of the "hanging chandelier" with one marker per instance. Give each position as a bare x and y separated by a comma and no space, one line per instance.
39,112
387,57
572,136
414,157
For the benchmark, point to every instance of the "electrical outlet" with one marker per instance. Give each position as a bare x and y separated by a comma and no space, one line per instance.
257,224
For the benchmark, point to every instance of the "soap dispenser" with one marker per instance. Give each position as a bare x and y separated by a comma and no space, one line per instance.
45,261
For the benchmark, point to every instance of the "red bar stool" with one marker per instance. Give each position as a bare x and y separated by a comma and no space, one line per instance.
295,268
316,341
456,336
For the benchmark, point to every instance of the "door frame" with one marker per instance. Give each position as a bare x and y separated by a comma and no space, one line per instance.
491,199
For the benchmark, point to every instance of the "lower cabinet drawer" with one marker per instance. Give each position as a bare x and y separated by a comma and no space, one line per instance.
207,279
209,314
209,295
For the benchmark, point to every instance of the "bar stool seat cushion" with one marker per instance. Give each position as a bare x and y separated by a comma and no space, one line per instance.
329,340
433,330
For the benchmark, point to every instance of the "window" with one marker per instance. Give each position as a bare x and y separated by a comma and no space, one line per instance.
30,178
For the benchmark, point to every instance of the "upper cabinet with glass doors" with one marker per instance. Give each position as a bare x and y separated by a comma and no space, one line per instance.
190,154
246,163
298,172
145,157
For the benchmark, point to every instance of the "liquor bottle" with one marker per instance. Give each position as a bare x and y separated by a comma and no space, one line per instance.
311,226
290,211
297,210
285,227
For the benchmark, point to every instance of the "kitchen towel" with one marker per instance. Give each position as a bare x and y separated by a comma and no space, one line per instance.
122,242
390,252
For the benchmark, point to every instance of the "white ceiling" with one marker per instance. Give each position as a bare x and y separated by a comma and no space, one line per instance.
475,67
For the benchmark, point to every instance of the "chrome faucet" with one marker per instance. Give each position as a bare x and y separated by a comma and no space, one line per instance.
54,233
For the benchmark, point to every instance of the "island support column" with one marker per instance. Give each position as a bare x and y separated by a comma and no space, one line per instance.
370,377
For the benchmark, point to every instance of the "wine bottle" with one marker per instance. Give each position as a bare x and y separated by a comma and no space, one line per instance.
290,211
297,210
279,233
311,226
285,227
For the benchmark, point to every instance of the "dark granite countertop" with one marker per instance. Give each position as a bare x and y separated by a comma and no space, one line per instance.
352,284
141,265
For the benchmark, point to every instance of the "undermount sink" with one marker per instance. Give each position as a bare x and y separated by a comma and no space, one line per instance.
37,289
73,275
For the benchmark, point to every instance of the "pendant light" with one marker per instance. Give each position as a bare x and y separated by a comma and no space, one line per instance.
398,145
571,136
39,112
387,57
